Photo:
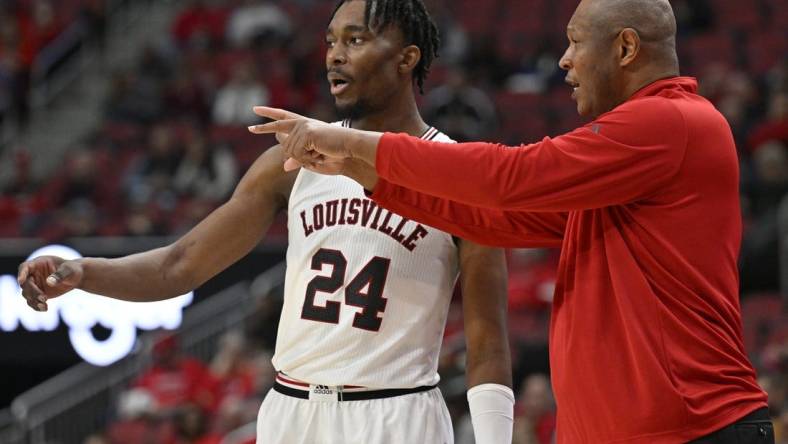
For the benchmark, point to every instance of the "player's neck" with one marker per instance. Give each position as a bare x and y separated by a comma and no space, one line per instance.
402,116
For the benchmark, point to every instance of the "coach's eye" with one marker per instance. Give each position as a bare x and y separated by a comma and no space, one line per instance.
329,43
356,41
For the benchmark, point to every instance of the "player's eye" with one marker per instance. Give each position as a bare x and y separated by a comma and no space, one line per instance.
330,43
356,40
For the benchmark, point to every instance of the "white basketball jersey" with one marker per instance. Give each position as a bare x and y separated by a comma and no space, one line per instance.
366,291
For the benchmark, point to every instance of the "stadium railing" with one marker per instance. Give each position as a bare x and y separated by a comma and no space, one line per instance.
9,429
72,405
61,62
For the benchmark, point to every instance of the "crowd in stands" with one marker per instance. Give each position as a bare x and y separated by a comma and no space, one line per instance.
174,143
27,28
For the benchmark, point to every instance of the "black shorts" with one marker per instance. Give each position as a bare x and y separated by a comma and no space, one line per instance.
755,428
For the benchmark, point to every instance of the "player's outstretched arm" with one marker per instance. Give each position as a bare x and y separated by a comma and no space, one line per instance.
226,235
489,366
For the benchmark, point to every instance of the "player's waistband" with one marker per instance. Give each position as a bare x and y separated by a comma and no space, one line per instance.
303,390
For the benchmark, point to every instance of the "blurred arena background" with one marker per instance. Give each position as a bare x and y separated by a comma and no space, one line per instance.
124,123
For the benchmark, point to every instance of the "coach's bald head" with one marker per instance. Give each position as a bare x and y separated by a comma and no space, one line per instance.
615,48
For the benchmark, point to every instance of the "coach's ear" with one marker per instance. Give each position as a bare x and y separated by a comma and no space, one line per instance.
409,58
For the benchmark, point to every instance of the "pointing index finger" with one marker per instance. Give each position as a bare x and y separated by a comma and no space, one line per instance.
277,126
275,113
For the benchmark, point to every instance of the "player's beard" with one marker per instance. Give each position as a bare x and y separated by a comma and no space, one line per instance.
355,110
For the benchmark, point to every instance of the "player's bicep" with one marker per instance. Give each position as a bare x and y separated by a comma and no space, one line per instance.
237,226
266,180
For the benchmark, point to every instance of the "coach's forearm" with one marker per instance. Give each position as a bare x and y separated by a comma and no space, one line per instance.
363,146
145,277
362,173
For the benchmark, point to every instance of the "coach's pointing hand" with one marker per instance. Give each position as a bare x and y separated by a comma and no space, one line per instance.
47,277
315,144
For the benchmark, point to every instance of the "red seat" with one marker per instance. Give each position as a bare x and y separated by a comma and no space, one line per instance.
522,117
705,49
765,50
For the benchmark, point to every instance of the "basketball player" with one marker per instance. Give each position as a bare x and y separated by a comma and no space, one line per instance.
367,291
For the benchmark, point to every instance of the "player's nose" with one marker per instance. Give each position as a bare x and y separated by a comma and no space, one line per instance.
336,56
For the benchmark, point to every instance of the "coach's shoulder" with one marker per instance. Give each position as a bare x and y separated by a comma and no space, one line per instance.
645,118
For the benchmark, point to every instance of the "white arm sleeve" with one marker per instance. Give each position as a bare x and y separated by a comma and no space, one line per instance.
492,413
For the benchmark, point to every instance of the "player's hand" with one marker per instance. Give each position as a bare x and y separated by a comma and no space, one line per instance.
47,277
307,142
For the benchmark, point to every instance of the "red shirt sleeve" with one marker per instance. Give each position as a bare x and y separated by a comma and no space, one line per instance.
625,155
484,226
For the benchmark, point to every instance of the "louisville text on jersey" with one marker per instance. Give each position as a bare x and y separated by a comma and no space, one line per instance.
365,213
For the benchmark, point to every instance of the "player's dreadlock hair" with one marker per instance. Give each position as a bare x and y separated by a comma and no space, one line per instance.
417,27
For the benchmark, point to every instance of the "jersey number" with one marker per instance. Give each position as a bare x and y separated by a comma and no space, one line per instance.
372,278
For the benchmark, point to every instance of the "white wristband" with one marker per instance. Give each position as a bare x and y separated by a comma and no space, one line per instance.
492,413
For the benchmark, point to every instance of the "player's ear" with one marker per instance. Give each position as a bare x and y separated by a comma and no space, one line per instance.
409,58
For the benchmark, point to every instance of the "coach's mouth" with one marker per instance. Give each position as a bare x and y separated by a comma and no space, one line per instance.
575,86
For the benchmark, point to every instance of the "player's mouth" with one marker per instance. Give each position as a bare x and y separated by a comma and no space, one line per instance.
338,82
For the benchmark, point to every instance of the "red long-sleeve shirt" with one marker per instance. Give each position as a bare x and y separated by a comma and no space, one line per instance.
645,337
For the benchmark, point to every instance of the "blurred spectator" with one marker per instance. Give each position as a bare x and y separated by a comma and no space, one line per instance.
138,420
236,422
257,22
205,171
186,97
21,182
234,101
532,275
261,326
79,218
192,427
15,65
97,438
77,199
460,109
93,14
776,385
200,24
233,369
736,104
7,70
693,16
153,67
174,380
775,124
770,161
264,375
484,64
38,26
535,411
80,181
144,220
454,39
150,178
759,258
133,98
